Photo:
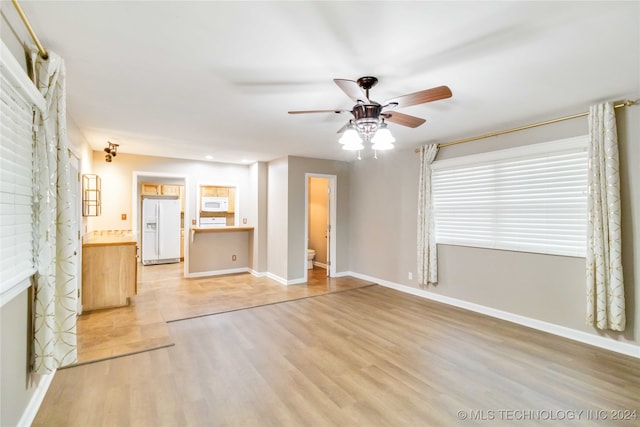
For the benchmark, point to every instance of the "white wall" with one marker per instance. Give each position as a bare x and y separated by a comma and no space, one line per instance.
541,287
117,187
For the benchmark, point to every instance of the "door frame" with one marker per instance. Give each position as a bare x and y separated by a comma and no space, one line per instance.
333,185
75,166
136,213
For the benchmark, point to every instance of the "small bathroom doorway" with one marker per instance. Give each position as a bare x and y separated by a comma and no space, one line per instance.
320,217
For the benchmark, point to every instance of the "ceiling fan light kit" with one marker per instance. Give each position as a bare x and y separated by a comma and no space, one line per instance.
368,123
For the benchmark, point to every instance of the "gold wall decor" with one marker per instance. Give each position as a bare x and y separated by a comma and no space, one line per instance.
91,195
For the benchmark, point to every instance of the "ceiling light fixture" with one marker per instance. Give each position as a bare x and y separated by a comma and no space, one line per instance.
367,129
382,140
111,150
368,123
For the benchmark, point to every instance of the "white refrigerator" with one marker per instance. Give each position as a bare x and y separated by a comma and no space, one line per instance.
160,230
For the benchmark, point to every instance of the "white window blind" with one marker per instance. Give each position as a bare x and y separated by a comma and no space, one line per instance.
17,99
530,199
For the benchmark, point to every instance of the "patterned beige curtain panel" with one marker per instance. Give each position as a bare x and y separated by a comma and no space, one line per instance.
427,248
605,284
55,279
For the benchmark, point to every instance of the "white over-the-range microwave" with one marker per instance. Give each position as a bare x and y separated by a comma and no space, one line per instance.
215,204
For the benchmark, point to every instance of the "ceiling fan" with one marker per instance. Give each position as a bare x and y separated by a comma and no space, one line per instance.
369,116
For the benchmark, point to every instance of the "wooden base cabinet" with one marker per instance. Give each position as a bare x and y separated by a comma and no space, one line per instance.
109,274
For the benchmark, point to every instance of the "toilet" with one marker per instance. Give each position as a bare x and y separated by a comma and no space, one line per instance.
311,254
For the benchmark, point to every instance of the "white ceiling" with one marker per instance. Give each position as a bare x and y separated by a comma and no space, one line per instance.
189,79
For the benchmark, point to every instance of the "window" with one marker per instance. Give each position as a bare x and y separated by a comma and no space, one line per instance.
530,199
17,99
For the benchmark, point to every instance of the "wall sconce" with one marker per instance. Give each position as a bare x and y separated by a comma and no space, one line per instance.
91,195
111,150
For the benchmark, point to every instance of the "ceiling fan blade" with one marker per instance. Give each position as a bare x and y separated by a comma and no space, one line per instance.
352,90
319,111
428,95
403,119
343,128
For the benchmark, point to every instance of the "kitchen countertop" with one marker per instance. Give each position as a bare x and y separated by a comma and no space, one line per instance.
195,230
108,240
220,229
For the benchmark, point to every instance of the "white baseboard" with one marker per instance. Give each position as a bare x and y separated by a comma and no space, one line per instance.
219,272
343,274
320,264
257,273
598,341
37,397
276,278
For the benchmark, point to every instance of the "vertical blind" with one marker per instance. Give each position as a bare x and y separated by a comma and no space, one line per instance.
530,199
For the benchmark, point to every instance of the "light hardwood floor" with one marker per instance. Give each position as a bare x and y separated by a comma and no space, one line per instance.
370,356
164,295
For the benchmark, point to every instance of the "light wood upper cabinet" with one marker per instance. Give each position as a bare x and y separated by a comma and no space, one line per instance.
170,190
153,189
214,191
232,200
148,189
217,191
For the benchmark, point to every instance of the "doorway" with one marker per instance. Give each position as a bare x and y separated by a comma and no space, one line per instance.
163,185
320,214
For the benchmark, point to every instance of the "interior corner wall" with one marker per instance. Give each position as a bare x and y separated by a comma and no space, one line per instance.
277,217
297,251
547,288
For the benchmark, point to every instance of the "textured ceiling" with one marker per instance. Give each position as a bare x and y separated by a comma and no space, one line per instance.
189,79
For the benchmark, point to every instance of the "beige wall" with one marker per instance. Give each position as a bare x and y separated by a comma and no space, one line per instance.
17,384
297,252
214,251
318,217
543,287
277,217
258,179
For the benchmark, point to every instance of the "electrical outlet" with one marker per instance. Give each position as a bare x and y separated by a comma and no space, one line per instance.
193,222
233,257
410,276
244,220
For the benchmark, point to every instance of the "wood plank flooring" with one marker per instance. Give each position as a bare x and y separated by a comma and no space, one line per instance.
370,356
164,295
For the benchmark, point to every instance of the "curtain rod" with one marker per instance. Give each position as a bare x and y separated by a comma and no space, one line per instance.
627,103
41,50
